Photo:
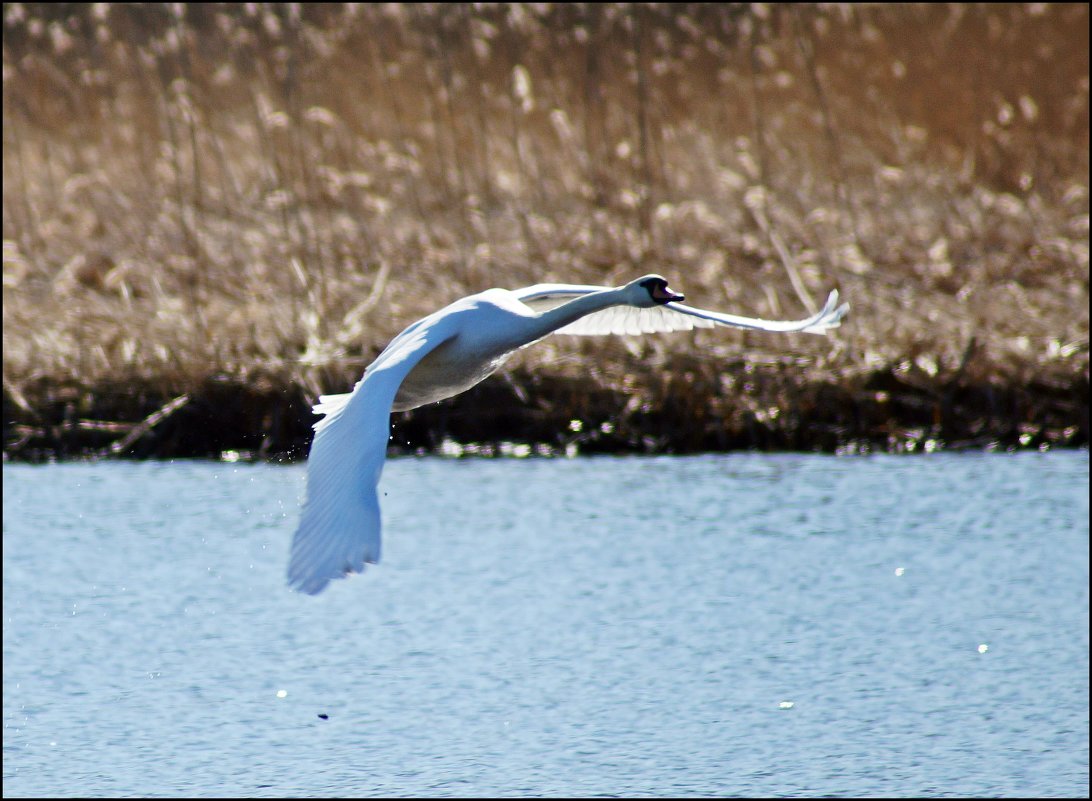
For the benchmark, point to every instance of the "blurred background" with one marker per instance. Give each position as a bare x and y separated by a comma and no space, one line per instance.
213,212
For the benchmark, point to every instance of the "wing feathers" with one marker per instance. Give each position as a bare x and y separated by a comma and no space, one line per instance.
669,317
829,317
339,528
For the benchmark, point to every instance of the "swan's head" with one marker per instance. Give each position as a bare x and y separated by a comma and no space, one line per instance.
652,290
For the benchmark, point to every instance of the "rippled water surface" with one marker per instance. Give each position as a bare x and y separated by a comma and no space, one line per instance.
742,624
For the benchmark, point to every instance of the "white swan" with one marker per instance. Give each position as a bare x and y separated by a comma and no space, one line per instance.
442,355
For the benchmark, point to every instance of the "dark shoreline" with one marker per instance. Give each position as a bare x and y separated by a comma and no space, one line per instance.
884,411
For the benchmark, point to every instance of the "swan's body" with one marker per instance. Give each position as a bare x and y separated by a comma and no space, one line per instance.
442,355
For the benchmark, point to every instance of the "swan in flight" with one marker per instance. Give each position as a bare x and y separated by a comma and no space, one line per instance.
442,355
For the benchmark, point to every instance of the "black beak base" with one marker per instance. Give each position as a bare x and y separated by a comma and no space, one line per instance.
663,294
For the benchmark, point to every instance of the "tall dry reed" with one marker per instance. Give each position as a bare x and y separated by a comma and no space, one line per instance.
268,192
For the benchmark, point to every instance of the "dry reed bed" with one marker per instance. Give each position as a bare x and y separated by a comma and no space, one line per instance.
240,205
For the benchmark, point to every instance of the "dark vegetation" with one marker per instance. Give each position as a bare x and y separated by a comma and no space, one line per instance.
211,213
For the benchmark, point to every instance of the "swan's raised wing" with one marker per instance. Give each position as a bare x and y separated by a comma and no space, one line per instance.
339,528
830,316
669,317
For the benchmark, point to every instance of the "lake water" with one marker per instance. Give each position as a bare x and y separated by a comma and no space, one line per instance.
713,625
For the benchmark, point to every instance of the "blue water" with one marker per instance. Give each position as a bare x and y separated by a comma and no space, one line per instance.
726,625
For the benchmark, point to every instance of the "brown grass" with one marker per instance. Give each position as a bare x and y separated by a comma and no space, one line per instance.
260,196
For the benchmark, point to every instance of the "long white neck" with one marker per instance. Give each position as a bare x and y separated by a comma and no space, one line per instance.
551,320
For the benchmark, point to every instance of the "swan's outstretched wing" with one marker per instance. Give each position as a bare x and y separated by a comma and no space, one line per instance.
340,524
669,317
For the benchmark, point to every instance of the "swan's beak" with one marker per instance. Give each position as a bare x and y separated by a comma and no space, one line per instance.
665,294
